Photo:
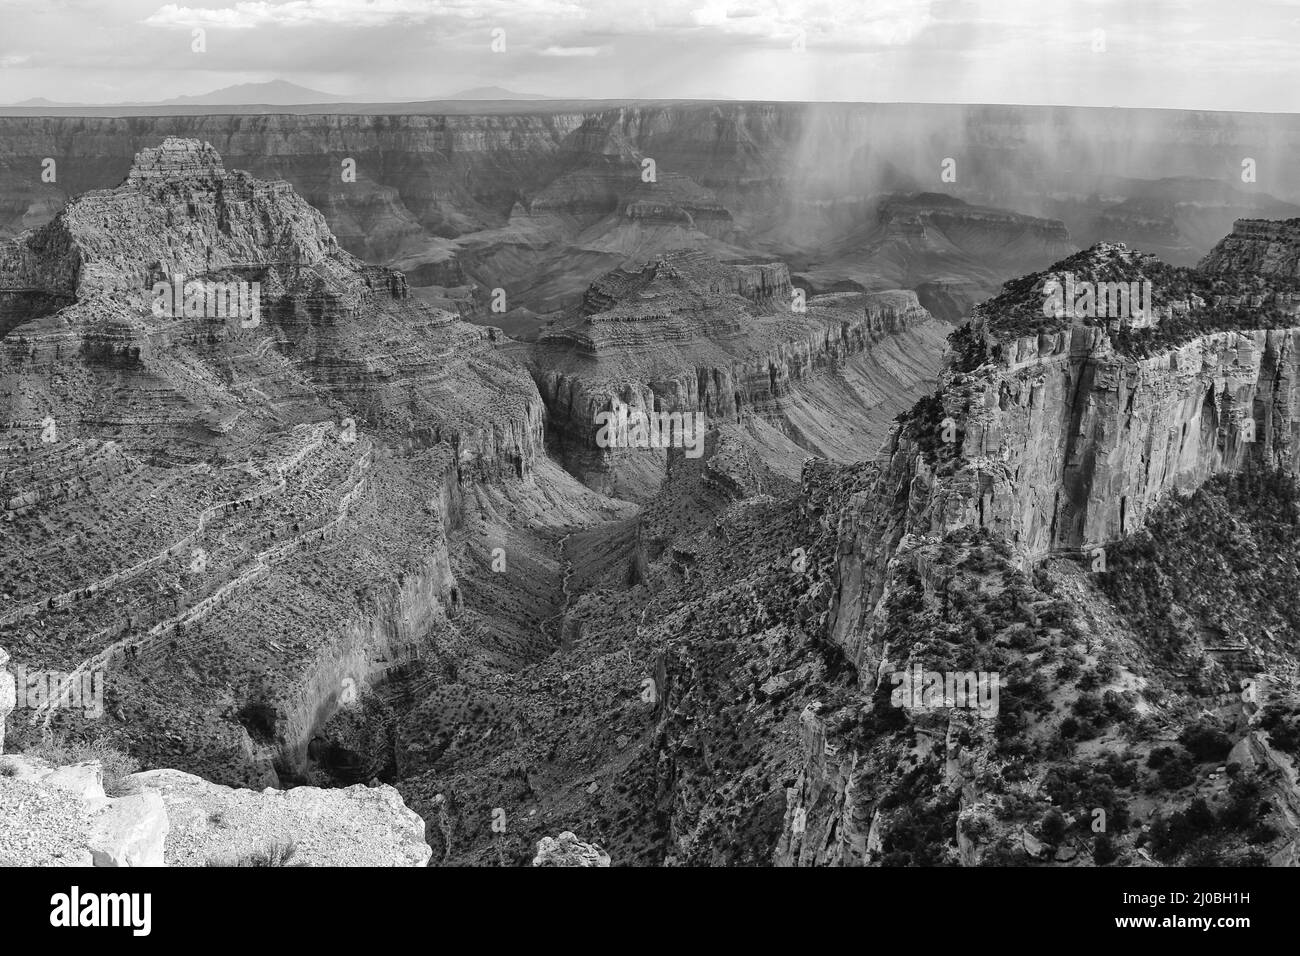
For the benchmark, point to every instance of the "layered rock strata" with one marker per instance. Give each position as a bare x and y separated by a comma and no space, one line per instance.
728,343
260,502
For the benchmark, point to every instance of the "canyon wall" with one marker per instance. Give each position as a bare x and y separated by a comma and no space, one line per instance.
1260,247
1067,451
769,166
1072,447
243,519
722,341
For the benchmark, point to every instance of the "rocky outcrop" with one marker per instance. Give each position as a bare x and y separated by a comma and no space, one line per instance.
212,825
60,816
239,450
1072,447
1258,247
568,850
728,343
950,299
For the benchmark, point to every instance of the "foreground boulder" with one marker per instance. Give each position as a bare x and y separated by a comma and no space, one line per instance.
214,825
568,850
61,816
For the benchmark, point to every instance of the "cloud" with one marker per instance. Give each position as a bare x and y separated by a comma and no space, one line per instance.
573,51
251,14
843,22
1158,52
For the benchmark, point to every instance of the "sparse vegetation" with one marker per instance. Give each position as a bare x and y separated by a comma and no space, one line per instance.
273,854
116,766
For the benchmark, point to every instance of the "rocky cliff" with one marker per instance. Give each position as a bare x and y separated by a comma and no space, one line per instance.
61,816
1258,246
237,516
727,342
765,623
542,200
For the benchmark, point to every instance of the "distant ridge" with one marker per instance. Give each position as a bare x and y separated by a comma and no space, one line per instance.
272,93
494,93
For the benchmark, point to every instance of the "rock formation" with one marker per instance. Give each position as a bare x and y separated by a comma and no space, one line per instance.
60,816
542,200
1258,246
568,850
8,696
728,342
346,418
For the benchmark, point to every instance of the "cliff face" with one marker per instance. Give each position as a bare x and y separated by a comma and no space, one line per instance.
1033,448
1063,446
1259,247
261,503
1071,447
722,341
543,200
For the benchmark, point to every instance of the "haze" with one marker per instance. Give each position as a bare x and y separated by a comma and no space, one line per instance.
1164,53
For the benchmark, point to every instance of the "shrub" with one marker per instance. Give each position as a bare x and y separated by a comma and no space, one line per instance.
1177,772
273,854
1103,850
1283,727
1205,741
115,765
1159,757
1052,827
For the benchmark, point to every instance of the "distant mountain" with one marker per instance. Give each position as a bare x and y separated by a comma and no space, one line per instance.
494,93
272,93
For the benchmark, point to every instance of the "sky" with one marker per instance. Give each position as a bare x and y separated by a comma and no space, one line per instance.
1185,54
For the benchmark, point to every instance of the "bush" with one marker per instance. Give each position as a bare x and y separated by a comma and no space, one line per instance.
1178,772
1205,741
1052,827
1245,806
115,765
274,854
1160,756
1283,727
1103,850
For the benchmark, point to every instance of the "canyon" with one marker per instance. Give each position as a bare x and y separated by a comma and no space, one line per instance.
541,199
373,539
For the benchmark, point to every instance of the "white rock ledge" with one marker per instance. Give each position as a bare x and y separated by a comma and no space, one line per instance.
60,816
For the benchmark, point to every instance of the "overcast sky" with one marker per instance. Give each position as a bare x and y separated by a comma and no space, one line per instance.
1200,54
